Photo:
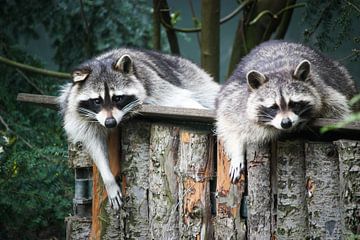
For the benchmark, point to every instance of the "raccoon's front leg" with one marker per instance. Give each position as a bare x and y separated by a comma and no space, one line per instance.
235,147
97,149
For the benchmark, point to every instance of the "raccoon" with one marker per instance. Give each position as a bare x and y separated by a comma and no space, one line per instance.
278,87
110,87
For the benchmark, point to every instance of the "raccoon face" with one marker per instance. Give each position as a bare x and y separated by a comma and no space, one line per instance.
282,104
105,92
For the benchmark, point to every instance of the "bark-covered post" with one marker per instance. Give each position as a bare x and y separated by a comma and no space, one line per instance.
163,182
259,190
195,170
349,167
291,211
322,169
135,138
227,223
210,37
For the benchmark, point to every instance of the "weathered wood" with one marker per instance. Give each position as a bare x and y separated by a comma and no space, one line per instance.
163,183
291,211
349,167
107,224
227,223
195,170
259,190
135,138
77,228
322,168
78,157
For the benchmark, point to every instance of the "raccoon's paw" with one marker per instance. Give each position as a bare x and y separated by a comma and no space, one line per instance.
114,195
235,170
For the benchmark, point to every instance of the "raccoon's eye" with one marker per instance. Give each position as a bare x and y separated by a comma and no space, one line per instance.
96,101
297,105
274,107
117,98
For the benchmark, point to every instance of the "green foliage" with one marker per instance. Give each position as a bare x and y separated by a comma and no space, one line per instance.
36,185
330,23
78,32
350,119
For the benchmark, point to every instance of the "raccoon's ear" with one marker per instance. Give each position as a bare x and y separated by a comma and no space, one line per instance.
255,79
124,64
302,70
79,76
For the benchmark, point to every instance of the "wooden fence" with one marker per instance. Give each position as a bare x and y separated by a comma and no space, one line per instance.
174,178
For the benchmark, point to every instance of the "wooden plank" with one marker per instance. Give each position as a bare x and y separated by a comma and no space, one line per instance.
349,167
135,141
42,100
322,169
259,190
291,207
228,223
195,170
147,111
163,182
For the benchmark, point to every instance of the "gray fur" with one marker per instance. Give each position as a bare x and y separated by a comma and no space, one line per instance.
327,87
152,77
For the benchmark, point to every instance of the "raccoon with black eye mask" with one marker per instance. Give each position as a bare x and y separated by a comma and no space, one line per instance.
278,87
110,87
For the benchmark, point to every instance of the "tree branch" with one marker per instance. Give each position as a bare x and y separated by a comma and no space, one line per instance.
171,34
191,30
34,69
276,15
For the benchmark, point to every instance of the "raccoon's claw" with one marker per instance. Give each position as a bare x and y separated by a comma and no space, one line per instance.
116,202
115,197
234,172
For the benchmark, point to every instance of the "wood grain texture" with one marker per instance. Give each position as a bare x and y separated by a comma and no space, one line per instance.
163,182
349,167
291,205
195,170
259,190
135,141
228,223
322,168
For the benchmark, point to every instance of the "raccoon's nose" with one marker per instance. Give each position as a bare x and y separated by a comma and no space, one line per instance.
286,123
110,122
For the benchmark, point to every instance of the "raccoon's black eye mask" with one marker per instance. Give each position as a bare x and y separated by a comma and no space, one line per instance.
301,108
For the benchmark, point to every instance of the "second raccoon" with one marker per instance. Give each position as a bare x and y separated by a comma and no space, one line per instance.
278,87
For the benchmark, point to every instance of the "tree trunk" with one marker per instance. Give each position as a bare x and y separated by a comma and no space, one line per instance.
210,37
156,31
171,34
